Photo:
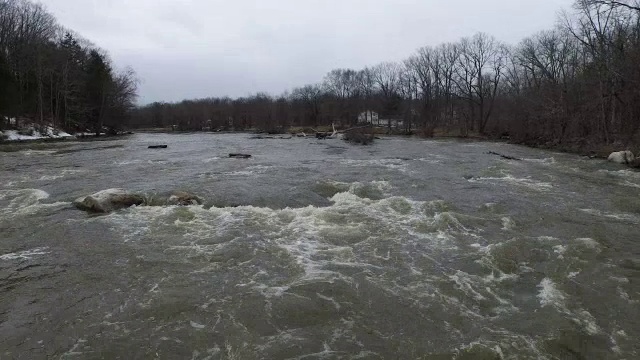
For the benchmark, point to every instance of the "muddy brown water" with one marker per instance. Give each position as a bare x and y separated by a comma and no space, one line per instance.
312,249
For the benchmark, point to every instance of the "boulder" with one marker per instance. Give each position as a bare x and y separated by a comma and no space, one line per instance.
181,198
108,200
621,157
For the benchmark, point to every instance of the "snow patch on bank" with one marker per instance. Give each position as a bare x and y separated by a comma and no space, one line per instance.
47,133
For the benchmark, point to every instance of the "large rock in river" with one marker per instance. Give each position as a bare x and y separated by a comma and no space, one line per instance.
108,200
621,157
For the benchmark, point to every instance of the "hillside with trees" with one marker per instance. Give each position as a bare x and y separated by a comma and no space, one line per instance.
50,76
578,84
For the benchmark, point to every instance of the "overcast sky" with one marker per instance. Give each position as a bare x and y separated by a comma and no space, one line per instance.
200,48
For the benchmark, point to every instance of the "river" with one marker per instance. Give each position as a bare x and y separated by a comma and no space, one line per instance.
312,249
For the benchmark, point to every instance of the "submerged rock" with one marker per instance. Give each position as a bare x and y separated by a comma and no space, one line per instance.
108,200
635,163
181,198
621,157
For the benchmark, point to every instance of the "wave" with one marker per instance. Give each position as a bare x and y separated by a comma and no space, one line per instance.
26,202
511,180
25,255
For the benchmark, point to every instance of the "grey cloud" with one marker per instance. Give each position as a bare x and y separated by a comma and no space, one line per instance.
199,48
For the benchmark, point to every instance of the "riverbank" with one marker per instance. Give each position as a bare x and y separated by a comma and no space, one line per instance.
580,147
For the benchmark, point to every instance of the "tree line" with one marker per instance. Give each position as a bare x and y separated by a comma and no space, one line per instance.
51,76
578,82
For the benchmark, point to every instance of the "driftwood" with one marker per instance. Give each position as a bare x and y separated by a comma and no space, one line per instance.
259,137
239,156
327,135
157,146
504,156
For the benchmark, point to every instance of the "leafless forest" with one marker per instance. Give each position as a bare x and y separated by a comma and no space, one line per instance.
50,75
578,83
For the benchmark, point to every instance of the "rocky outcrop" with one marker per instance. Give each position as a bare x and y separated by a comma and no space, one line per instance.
621,157
108,200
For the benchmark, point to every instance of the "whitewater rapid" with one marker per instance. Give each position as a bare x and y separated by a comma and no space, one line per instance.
410,249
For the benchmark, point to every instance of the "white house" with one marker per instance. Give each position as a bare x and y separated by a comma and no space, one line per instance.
369,117
373,118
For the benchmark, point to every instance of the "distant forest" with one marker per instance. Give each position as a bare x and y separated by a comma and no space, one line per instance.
576,83
50,75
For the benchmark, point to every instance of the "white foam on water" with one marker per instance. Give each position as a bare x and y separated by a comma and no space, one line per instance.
367,236
29,152
547,238
549,295
620,279
50,177
128,162
137,221
26,202
432,159
616,216
329,299
508,224
465,284
197,326
239,173
573,274
627,174
560,250
60,175
26,254
215,158
307,234
511,180
589,243
629,184
74,351
587,321
546,161
392,164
